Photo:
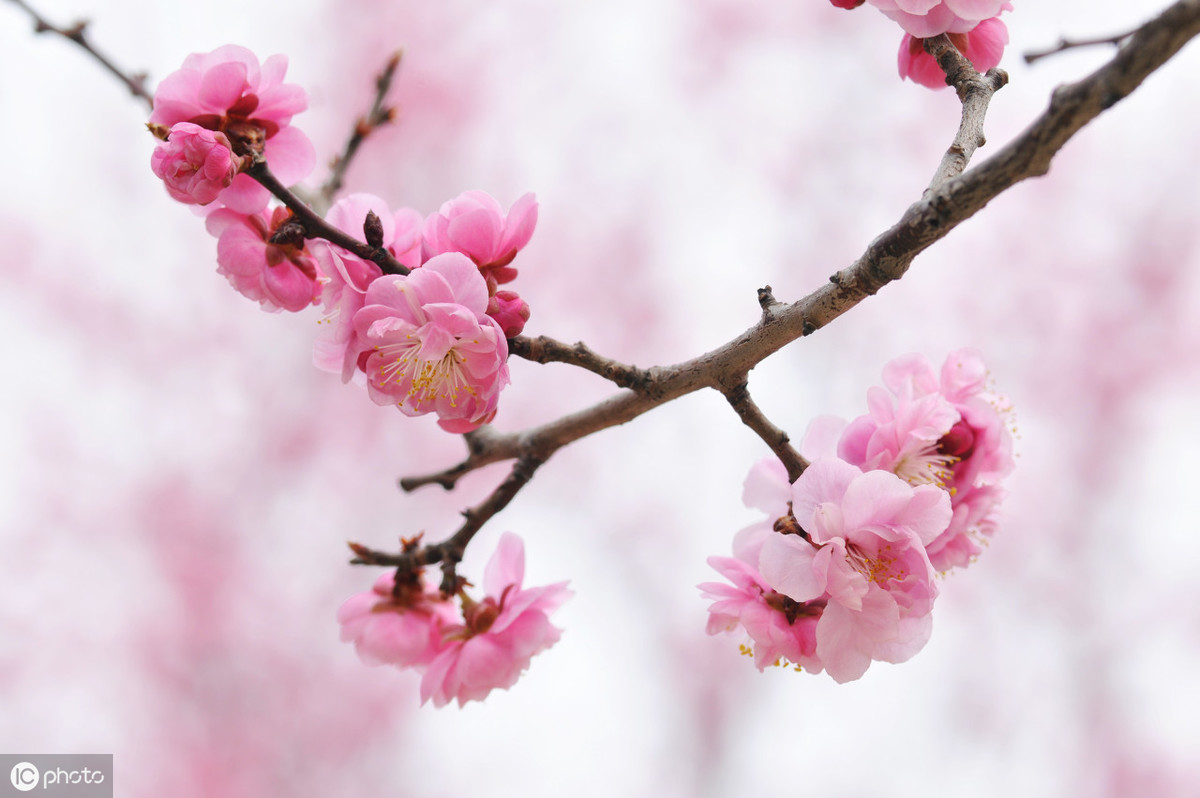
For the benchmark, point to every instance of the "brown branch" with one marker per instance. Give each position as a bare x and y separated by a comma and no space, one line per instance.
887,258
135,82
316,227
975,92
450,551
363,127
1070,44
753,417
547,350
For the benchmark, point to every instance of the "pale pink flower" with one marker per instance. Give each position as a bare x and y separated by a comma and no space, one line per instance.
227,91
780,631
925,18
475,225
194,164
347,276
947,430
858,543
499,635
427,345
277,276
401,628
983,46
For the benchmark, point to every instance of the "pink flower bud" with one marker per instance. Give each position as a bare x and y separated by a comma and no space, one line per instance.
195,164
848,4
509,311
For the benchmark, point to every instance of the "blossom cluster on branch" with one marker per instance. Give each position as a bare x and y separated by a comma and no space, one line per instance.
841,572
859,520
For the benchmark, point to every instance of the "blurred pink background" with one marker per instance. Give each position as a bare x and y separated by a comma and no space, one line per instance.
180,482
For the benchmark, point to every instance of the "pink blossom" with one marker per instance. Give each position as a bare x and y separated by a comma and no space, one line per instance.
925,18
277,276
983,46
227,91
946,430
195,164
847,4
781,631
499,635
427,345
858,543
348,276
401,628
475,225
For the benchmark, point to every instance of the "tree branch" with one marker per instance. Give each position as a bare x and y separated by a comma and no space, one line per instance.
547,350
975,93
316,227
378,115
135,82
450,551
1069,44
887,258
753,417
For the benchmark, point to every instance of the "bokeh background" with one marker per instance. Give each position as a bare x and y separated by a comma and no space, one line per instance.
179,483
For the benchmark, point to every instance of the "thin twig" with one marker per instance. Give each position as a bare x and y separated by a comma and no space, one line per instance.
135,82
379,114
887,258
450,551
975,92
1070,44
316,227
738,395
547,350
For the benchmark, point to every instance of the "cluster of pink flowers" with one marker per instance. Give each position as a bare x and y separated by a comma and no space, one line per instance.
974,27
462,652
841,571
432,341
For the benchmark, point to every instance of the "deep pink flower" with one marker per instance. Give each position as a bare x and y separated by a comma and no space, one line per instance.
348,276
510,312
848,4
227,91
277,276
475,225
402,629
858,543
499,635
947,430
925,18
195,164
427,344
983,46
